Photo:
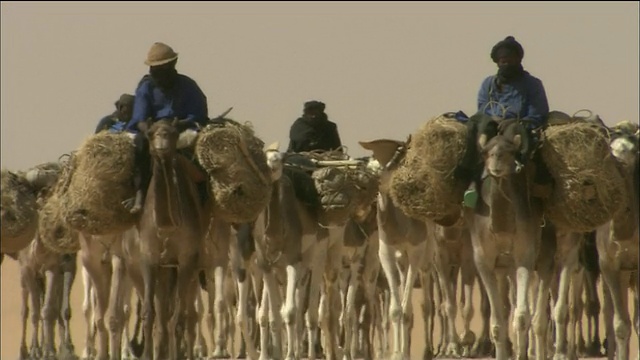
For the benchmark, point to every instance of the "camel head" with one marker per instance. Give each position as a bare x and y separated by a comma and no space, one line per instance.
625,148
163,136
499,153
274,160
387,153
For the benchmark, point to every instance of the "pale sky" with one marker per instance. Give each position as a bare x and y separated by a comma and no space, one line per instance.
382,68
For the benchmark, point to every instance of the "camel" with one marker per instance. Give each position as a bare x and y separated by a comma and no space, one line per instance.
360,234
398,232
107,286
617,244
29,185
285,235
453,255
505,232
171,227
46,278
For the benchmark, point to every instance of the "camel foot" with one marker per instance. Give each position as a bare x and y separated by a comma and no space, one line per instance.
453,350
427,354
88,354
468,338
49,355
35,352
593,350
67,352
200,352
560,357
219,353
482,348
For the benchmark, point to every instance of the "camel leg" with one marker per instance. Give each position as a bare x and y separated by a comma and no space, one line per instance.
69,267
427,314
498,321
350,316
100,279
522,316
318,257
116,304
540,320
618,287
415,257
189,320
149,275
87,309
575,338
593,314
242,318
50,312
185,280
275,307
561,306
388,262
217,308
200,348
263,321
452,347
29,287
483,345
127,287
467,278
289,310
609,341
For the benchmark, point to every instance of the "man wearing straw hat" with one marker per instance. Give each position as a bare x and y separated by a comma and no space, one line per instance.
512,94
162,94
117,121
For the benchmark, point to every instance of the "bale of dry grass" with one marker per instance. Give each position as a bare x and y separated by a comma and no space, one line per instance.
19,207
589,187
423,186
101,179
53,231
239,177
344,189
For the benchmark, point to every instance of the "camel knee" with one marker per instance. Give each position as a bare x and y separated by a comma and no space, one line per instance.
622,329
521,321
289,315
560,314
115,323
49,313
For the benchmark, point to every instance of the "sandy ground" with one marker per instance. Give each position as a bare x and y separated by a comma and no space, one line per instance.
11,319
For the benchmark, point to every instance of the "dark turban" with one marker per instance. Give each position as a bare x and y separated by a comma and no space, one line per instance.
508,43
314,105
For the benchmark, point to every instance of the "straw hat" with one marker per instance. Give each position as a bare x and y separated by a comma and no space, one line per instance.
160,54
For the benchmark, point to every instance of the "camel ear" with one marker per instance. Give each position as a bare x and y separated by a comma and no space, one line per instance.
517,140
144,126
383,149
182,125
274,147
482,141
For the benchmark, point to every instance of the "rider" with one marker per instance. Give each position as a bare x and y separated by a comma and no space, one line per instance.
162,94
510,95
118,120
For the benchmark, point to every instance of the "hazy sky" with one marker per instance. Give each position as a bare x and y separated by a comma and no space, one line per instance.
382,68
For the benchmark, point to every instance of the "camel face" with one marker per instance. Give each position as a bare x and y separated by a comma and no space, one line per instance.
275,163
500,156
625,150
163,139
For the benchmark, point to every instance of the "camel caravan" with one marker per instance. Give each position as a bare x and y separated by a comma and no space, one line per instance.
316,254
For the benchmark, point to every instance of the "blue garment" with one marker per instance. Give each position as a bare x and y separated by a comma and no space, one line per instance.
524,98
184,101
117,127
110,123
